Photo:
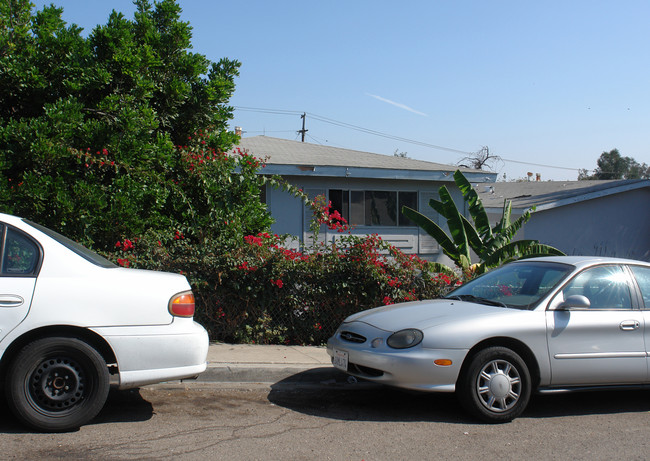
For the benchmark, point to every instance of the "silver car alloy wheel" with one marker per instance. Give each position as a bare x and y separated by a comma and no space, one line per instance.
498,386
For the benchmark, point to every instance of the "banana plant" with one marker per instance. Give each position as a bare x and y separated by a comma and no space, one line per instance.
492,245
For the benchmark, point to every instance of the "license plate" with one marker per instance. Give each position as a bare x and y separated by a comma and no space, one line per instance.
340,360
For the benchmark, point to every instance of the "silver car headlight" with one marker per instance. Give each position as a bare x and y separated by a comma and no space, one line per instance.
404,339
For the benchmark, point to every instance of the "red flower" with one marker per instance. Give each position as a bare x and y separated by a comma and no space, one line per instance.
245,267
252,240
123,262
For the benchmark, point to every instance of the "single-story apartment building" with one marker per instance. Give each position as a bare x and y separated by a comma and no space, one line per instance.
368,189
600,218
608,218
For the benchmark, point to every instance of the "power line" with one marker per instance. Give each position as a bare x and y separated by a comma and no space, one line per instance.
350,126
315,140
539,164
268,111
270,131
384,135
381,134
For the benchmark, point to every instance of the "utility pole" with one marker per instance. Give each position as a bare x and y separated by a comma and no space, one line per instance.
303,131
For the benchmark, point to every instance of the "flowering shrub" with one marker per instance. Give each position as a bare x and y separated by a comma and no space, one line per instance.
258,290
267,293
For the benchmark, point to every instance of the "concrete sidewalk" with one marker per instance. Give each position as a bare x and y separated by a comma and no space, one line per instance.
250,363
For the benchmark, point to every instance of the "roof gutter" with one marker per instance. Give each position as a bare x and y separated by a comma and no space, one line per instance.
373,173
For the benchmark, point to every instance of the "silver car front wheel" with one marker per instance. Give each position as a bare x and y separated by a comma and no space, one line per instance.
495,386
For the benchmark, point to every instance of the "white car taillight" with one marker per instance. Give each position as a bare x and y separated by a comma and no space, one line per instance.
182,305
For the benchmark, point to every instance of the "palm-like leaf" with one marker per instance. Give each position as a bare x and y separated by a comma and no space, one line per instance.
493,246
520,249
435,231
474,240
476,209
441,268
455,223
541,249
505,231
504,223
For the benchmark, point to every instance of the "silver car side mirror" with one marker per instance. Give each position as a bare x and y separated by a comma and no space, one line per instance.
574,302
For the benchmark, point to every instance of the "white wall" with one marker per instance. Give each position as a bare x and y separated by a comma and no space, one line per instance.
616,225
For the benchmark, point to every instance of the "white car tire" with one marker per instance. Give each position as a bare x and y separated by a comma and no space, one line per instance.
57,384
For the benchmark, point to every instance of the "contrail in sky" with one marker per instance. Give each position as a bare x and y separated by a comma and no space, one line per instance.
397,104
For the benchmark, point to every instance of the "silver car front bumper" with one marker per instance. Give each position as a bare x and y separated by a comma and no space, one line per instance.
361,351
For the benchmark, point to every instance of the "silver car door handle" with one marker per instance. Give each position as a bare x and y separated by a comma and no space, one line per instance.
628,325
11,301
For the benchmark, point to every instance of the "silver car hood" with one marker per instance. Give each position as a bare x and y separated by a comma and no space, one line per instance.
424,314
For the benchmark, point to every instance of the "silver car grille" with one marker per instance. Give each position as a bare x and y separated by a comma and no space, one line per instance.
367,372
352,337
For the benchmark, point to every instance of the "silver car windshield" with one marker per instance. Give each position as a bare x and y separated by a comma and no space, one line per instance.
518,285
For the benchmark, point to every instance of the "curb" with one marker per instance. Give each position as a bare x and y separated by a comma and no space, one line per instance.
277,378
266,373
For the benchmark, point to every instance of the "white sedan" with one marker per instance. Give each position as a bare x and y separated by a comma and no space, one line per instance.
72,323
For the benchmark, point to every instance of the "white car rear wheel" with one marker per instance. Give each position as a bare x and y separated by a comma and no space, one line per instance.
57,384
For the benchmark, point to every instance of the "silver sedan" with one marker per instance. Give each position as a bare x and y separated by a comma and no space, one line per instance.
542,324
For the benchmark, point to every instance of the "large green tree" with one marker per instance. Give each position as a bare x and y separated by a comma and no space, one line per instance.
90,127
612,165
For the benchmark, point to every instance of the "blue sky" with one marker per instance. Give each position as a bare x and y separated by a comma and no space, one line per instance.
548,86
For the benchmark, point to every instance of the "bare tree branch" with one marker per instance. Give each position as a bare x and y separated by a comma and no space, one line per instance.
480,160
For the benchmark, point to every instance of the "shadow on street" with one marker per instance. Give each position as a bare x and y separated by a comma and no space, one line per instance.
338,398
121,407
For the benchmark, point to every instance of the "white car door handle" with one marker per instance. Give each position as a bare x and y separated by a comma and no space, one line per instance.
11,301
630,325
